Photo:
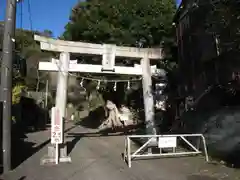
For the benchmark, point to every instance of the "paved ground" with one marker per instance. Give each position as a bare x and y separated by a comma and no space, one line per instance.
99,158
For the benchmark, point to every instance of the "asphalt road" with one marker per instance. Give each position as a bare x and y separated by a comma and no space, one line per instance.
99,158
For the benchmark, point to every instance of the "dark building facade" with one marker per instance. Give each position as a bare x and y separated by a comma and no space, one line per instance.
209,65
196,47
202,59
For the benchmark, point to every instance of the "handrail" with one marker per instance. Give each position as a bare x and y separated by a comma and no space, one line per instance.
128,155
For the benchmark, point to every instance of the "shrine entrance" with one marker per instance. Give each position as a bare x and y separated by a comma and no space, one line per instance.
109,52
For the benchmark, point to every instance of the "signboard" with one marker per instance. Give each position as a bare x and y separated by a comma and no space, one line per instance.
167,142
56,61
108,61
57,126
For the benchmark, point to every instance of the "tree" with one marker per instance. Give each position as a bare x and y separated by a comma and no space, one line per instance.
128,23
27,54
47,33
137,23
30,50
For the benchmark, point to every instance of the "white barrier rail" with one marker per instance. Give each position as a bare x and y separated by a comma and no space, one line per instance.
162,142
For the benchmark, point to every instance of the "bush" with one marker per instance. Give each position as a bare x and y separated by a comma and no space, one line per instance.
17,92
16,97
96,101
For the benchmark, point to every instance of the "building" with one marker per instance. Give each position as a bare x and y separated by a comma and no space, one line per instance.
203,59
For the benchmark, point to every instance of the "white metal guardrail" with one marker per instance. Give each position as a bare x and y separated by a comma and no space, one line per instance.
163,142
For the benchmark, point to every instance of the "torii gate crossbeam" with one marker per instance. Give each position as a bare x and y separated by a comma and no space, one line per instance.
89,68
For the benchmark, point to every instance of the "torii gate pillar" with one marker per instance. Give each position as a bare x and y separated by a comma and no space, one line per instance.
61,95
61,101
148,97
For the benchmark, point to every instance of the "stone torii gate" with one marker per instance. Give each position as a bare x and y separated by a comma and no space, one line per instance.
108,53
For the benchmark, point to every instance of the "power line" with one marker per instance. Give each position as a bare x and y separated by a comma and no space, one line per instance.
21,14
30,15
21,21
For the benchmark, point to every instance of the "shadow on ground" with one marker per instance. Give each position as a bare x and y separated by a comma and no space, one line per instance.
22,150
78,136
94,119
30,118
22,178
200,177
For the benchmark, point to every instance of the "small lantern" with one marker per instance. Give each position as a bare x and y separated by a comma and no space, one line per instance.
189,102
160,96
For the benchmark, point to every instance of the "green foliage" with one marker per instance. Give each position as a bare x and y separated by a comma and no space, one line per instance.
25,43
120,22
137,23
27,46
30,50
27,55
16,93
96,102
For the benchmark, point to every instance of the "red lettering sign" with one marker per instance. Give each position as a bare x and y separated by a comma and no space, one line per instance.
57,117
57,129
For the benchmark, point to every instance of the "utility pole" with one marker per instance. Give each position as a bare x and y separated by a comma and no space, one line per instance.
6,81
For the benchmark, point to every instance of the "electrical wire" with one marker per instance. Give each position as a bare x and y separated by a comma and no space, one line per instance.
21,22
30,15
21,15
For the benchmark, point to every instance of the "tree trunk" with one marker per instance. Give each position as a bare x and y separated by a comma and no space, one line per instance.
112,120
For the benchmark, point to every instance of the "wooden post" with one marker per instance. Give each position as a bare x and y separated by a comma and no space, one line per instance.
46,104
46,95
148,97
61,97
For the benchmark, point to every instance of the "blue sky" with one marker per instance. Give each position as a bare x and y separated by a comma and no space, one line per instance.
45,14
178,2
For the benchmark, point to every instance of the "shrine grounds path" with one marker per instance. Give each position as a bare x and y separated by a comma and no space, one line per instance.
97,157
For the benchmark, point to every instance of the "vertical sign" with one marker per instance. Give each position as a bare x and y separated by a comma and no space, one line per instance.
57,126
108,61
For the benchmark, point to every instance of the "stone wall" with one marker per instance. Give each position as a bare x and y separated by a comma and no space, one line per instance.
217,116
